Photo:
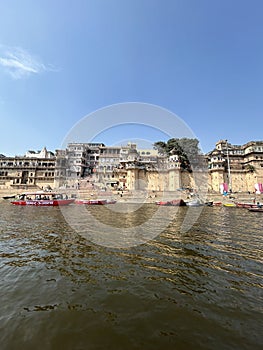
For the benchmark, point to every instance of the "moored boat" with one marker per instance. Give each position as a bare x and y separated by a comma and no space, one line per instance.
175,202
42,199
229,205
95,201
198,203
194,203
9,197
209,204
260,210
246,205
190,204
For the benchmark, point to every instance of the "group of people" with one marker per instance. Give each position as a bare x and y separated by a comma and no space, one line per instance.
41,197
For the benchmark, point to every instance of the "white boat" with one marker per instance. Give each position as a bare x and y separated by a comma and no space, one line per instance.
193,203
42,199
198,203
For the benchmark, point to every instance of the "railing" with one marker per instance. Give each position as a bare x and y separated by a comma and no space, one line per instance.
21,166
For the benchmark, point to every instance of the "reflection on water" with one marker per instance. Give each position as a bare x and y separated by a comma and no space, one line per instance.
200,289
114,227
116,216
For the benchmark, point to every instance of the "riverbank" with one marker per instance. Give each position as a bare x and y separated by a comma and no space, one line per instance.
141,196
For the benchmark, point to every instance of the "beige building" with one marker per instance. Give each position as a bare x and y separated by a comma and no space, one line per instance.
238,166
33,170
126,168
77,161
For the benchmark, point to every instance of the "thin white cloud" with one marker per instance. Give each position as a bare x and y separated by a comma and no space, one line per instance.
19,63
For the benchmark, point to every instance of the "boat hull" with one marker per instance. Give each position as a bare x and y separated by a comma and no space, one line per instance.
217,204
259,210
246,205
9,197
44,203
94,201
194,203
175,203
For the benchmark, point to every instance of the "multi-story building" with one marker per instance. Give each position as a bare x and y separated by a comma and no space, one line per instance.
237,168
34,169
111,167
92,158
122,167
61,168
77,161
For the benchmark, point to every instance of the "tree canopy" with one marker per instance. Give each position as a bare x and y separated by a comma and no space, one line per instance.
187,150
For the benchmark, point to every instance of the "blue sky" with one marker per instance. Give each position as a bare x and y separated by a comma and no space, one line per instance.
62,60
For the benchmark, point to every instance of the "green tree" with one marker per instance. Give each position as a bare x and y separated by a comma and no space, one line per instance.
190,146
186,149
160,146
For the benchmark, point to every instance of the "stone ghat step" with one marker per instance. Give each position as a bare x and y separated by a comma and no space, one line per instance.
10,191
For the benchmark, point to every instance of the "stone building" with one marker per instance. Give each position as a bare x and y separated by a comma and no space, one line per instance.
121,167
78,160
112,169
238,167
33,170
61,168
109,160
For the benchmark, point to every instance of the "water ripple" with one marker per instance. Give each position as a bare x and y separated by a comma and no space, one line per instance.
60,290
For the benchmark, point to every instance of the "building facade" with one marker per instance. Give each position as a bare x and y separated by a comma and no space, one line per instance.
77,161
238,167
33,170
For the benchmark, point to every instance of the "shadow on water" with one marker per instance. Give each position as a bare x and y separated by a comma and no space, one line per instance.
200,289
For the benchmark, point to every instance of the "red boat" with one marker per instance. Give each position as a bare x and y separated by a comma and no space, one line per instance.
217,203
256,209
246,205
175,202
43,199
95,201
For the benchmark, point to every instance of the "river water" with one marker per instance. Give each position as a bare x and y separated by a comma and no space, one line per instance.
195,289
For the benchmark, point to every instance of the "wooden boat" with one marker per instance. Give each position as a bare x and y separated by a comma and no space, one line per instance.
175,202
259,210
229,204
9,197
194,203
246,205
217,203
198,203
95,201
42,199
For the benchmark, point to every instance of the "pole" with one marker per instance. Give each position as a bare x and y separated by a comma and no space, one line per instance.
228,167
